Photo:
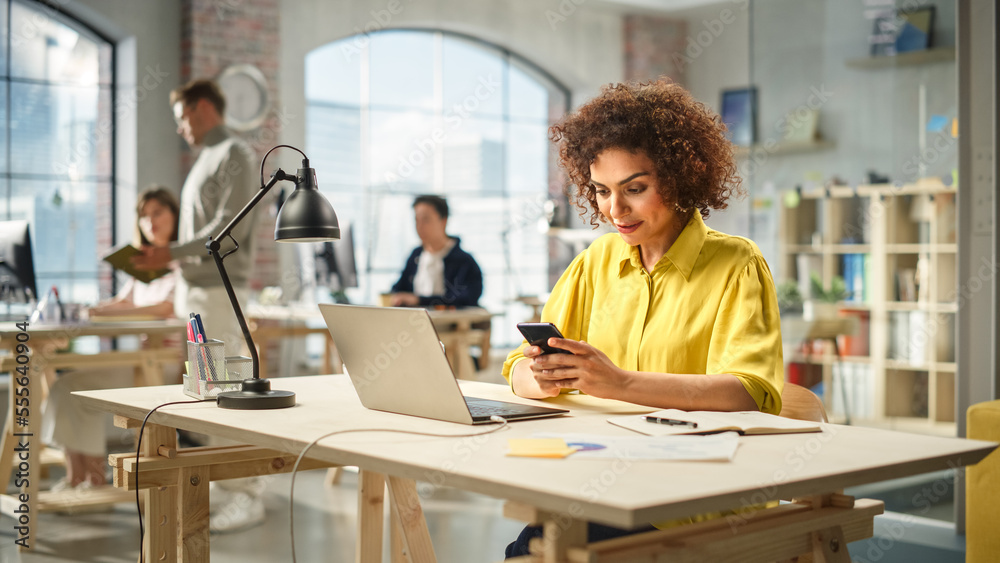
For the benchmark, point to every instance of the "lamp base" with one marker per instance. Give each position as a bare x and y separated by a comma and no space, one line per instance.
256,394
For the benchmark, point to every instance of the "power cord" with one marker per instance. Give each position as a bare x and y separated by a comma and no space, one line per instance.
138,452
295,468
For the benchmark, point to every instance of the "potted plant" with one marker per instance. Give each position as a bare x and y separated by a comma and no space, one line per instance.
789,298
822,303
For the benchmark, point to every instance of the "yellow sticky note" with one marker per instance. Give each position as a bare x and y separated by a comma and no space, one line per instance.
538,447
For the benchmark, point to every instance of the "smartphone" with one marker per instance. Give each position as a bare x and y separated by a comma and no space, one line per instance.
538,334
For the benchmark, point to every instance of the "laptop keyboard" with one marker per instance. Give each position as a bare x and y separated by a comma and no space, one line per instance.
486,408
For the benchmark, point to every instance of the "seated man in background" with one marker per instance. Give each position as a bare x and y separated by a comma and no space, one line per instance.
438,272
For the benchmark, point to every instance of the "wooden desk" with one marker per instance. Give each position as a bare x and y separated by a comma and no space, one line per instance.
455,329
274,322
561,494
35,368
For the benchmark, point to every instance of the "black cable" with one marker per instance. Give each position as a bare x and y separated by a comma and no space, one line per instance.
305,159
295,468
138,452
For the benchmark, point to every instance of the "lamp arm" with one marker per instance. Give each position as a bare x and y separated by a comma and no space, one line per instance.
213,247
278,175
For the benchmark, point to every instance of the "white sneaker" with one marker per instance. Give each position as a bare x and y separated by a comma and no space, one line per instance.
243,511
60,485
218,497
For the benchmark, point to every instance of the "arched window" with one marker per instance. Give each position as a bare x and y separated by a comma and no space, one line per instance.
56,150
399,113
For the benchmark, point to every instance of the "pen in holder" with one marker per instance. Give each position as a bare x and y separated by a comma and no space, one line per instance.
210,372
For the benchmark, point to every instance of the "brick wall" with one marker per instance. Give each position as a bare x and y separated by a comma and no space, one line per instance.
652,45
219,33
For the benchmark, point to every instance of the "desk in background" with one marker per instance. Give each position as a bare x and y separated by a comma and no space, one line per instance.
561,494
458,329
48,346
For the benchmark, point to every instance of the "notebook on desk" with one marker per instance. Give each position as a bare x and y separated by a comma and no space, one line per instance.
397,364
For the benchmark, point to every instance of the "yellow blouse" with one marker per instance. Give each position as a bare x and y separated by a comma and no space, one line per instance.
707,307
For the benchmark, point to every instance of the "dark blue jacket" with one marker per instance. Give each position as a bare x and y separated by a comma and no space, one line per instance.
463,280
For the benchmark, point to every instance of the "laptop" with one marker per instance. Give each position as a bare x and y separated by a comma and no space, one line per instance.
397,364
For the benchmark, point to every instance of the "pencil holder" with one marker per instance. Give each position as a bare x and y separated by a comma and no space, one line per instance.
207,374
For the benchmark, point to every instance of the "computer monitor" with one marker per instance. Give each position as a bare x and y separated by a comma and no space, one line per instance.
17,269
335,265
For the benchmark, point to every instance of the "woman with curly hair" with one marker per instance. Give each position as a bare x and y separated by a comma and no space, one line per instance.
666,313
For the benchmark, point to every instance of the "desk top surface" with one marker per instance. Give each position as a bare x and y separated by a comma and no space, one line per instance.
619,492
73,330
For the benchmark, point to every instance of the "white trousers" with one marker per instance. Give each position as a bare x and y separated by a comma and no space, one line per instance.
216,310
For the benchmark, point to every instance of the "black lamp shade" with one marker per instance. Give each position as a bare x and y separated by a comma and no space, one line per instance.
306,216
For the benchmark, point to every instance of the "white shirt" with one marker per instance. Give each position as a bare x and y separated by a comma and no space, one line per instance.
429,279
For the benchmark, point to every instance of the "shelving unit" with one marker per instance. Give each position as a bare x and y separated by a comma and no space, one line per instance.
784,147
905,375
926,56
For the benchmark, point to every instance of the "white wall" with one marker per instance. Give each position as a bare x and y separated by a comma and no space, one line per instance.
581,48
795,52
717,51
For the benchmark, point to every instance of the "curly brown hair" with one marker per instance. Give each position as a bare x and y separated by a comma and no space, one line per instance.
686,141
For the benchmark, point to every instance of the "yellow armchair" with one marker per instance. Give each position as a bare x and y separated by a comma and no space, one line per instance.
982,487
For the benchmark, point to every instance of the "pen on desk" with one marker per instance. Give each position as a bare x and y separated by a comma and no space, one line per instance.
671,421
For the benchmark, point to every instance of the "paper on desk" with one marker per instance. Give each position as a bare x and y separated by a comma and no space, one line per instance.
714,447
538,447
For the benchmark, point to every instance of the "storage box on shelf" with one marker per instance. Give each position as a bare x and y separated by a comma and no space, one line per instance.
895,247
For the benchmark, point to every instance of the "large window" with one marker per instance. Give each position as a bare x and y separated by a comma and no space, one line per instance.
399,113
56,149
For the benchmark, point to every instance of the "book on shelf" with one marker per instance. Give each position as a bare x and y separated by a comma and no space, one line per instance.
853,268
866,273
805,264
747,423
856,344
899,335
922,279
852,391
906,284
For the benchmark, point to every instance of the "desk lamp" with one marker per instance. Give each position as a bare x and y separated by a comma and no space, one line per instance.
306,216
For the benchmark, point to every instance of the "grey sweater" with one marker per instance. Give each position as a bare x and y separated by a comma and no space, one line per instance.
221,182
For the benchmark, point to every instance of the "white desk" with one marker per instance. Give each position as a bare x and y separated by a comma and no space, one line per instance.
563,493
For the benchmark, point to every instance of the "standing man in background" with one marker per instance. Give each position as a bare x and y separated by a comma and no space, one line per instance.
219,184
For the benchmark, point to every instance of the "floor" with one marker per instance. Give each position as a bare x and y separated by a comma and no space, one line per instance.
465,528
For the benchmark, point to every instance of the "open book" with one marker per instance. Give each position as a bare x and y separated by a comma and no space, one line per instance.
673,421
120,258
